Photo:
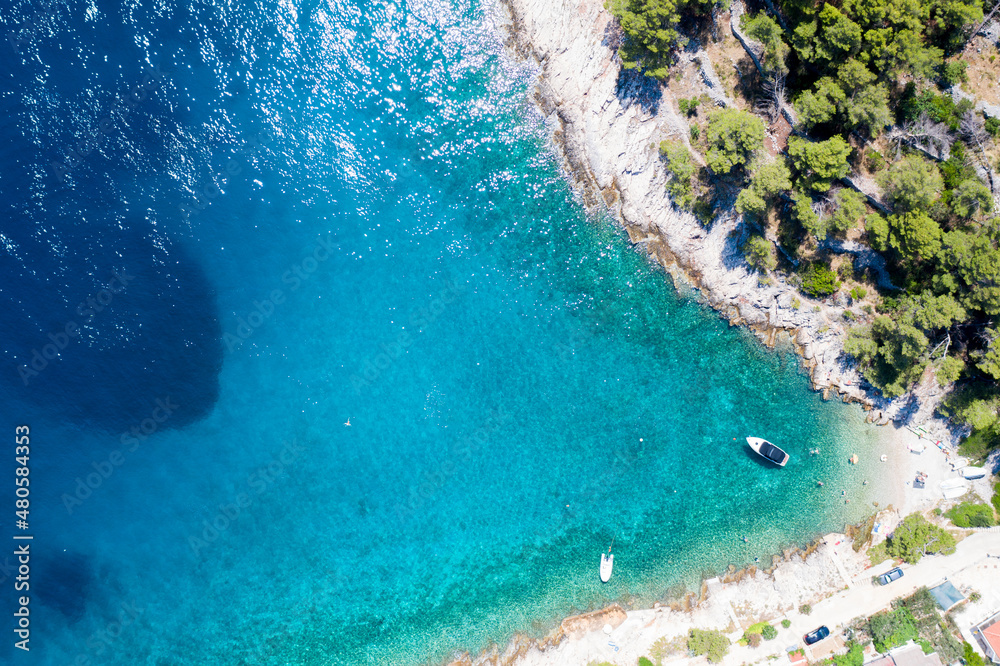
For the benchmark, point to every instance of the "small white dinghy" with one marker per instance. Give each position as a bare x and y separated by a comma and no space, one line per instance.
973,472
954,488
607,564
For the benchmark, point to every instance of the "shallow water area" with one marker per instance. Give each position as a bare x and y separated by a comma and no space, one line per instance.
337,214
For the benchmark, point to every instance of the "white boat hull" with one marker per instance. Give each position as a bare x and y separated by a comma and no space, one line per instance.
954,488
973,472
607,564
755,444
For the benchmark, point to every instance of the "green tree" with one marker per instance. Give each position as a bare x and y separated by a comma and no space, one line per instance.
819,162
954,16
975,261
915,236
868,108
949,370
971,657
912,183
651,33
759,253
898,52
848,211
878,232
971,197
733,136
767,181
766,30
930,312
915,537
896,14
711,643
682,169
889,352
833,38
802,211
893,628
988,360
820,105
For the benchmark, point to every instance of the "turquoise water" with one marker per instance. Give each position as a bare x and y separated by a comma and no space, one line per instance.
391,243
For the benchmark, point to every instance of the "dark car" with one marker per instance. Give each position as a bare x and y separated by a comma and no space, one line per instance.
890,576
817,635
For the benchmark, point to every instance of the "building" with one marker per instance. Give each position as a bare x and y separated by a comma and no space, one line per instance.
987,634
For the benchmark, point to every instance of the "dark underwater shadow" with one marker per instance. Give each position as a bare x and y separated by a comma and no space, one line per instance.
123,333
67,578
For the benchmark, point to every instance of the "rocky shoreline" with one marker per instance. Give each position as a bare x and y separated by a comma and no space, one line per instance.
605,127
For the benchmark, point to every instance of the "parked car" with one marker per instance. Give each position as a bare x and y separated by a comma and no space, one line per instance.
890,576
817,635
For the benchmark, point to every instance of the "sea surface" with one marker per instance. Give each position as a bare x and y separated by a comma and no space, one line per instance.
229,230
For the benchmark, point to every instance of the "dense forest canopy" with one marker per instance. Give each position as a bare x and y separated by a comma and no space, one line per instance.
870,87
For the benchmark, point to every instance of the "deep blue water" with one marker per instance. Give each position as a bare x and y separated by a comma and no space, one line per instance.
229,228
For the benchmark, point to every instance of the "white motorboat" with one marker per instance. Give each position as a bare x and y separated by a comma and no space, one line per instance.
973,472
768,451
607,564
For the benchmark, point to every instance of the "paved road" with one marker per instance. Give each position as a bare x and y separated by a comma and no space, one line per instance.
867,599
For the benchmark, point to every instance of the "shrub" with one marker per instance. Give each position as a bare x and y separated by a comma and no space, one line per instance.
713,644
996,497
954,72
875,161
858,293
969,514
644,661
759,253
695,132
892,628
855,655
992,126
796,303
769,633
846,269
688,106
753,640
818,280
786,623
805,609
971,657
682,169
848,315
974,597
